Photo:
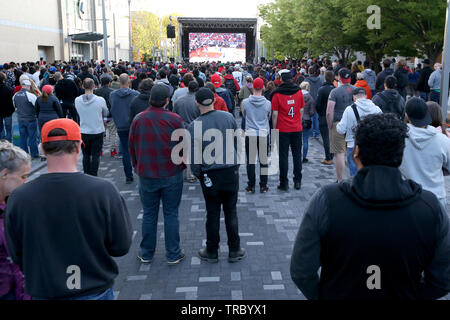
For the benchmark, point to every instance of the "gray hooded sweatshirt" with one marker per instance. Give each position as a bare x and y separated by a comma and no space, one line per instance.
91,109
348,122
120,101
314,85
426,153
256,111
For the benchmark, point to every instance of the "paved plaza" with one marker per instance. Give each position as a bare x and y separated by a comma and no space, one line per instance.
268,224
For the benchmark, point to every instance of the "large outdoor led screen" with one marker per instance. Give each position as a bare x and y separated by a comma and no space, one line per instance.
226,47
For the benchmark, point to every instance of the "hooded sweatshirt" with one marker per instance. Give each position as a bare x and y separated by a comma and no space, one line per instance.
390,101
91,109
348,122
256,111
120,107
382,220
310,108
371,77
315,83
363,84
381,77
426,152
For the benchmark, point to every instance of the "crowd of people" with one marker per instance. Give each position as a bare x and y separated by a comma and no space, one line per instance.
222,40
387,128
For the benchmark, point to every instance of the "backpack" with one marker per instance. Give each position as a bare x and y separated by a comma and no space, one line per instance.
230,85
392,105
402,80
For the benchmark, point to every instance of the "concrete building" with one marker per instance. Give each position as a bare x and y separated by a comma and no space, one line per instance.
63,30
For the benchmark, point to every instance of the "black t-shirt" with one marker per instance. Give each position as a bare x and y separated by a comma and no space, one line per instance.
64,220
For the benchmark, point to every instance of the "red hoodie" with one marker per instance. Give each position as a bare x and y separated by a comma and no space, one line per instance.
230,76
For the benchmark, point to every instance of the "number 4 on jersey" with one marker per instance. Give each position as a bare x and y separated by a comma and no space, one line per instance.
291,112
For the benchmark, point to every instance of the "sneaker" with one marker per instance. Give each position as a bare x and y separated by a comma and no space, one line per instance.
250,189
283,188
113,153
264,189
305,160
327,162
205,256
237,255
129,181
144,260
298,186
178,260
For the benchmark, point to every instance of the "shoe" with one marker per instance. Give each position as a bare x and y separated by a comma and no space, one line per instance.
305,160
35,158
178,260
264,189
113,153
205,256
327,162
238,255
129,181
298,186
43,158
192,180
250,189
144,260
283,188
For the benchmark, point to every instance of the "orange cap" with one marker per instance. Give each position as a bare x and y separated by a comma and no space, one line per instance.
71,128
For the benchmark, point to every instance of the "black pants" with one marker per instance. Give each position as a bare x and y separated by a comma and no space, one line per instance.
69,108
224,192
294,140
258,151
92,148
324,132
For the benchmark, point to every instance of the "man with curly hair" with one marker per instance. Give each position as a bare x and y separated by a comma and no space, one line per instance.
375,235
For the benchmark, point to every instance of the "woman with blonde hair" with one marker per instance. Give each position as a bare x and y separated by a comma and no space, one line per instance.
308,113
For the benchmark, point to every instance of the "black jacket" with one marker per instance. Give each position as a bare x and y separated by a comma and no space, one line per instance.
104,92
424,76
379,85
322,98
139,104
6,102
390,101
66,91
46,244
382,221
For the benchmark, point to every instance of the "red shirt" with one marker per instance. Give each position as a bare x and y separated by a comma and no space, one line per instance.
220,104
288,107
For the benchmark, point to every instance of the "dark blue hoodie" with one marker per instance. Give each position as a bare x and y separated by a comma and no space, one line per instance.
120,101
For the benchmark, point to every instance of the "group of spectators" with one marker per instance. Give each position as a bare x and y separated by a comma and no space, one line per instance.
391,213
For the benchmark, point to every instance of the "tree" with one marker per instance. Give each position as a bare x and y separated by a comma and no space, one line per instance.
146,33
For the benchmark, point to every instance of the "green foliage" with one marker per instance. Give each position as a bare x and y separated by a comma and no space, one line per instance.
339,27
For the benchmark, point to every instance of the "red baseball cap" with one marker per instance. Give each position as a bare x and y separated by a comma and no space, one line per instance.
258,84
216,80
71,128
47,89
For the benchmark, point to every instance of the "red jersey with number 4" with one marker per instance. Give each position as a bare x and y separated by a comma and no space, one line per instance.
288,107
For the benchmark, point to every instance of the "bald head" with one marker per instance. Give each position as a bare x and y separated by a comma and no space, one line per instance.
124,80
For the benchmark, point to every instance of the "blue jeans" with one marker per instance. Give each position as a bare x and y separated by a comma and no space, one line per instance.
424,95
315,125
152,191
105,295
306,135
6,125
435,96
28,137
351,162
126,160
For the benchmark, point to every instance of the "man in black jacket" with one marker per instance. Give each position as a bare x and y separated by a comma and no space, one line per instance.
321,108
376,234
390,99
64,228
142,101
388,71
6,109
67,91
422,83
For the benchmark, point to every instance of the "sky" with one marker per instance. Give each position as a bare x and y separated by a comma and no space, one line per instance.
201,8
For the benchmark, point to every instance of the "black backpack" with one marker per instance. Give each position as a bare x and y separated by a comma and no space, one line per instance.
230,85
392,105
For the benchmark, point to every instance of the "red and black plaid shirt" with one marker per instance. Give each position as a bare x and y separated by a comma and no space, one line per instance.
150,143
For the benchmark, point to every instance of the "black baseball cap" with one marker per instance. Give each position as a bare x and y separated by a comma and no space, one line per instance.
160,92
359,90
344,73
204,97
417,112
